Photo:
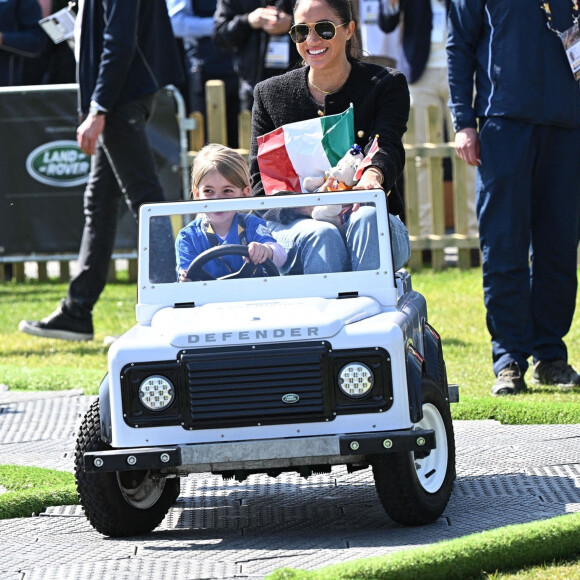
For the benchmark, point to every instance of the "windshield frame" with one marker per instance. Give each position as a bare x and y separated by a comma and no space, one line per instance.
378,283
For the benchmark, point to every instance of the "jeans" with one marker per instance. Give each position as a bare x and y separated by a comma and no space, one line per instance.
122,165
528,206
316,247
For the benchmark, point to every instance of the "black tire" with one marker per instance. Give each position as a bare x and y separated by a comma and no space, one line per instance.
119,504
414,490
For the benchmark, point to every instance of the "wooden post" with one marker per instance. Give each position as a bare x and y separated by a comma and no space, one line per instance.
64,271
436,188
460,209
132,270
412,202
215,98
245,130
197,136
18,271
42,272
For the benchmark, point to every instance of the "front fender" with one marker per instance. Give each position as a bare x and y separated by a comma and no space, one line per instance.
415,364
105,410
433,353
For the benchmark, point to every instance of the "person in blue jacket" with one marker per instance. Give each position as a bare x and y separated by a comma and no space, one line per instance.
219,172
20,37
192,22
127,53
522,132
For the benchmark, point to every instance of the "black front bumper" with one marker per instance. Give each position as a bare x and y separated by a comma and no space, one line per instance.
261,453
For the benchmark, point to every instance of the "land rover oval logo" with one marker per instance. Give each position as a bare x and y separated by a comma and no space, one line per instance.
290,398
59,163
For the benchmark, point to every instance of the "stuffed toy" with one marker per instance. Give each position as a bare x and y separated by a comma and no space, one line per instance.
338,178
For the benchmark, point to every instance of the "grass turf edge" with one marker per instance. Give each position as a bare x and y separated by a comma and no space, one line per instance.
502,549
30,490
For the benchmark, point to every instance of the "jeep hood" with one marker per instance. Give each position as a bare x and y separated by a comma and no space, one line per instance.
228,324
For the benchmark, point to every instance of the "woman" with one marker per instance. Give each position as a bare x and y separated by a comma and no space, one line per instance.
332,79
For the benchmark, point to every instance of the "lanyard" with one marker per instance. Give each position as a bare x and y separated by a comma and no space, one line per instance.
207,229
545,6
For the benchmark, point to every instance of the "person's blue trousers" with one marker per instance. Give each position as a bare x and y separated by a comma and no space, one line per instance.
528,208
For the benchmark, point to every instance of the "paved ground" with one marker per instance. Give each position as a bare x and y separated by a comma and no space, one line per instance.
217,529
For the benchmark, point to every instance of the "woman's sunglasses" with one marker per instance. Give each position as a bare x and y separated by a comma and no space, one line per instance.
325,29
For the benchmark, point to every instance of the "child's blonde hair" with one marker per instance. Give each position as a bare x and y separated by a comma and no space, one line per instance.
227,162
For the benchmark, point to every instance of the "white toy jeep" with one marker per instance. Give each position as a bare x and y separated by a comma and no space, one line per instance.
268,374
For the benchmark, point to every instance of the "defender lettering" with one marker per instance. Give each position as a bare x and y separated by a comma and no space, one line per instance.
256,335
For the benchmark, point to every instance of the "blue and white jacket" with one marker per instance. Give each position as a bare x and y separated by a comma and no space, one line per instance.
521,69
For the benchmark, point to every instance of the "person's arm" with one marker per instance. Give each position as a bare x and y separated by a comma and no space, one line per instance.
465,27
391,113
231,25
465,22
262,124
120,38
185,252
184,21
279,255
389,14
29,39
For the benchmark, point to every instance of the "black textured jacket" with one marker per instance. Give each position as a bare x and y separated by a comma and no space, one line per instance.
380,98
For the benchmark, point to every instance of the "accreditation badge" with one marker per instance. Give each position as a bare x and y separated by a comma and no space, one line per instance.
369,11
278,53
571,41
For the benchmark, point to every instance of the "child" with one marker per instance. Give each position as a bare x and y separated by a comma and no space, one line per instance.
221,173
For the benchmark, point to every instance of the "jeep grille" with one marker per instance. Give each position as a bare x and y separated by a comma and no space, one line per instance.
261,385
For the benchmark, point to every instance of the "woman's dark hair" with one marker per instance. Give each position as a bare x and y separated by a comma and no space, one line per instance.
343,9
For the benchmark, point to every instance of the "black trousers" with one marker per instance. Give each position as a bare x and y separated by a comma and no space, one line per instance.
123,165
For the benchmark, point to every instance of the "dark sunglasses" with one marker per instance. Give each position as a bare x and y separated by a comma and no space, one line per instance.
325,29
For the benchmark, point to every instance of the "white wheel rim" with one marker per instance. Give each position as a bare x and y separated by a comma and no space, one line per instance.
431,470
145,495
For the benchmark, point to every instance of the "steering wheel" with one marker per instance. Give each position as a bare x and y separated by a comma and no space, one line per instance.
249,269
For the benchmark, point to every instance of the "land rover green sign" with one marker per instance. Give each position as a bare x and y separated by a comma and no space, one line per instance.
59,163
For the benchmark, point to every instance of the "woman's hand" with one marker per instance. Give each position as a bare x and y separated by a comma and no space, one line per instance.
259,253
372,178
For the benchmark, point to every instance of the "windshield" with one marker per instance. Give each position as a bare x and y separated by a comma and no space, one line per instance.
228,245
232,249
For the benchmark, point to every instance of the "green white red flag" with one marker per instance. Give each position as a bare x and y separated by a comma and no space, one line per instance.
289,154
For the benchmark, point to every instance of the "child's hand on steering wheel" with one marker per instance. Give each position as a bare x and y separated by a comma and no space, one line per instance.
259,253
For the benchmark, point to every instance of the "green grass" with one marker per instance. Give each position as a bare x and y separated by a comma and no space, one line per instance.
32,489
508,548
455,309
454,301
554,570
32,363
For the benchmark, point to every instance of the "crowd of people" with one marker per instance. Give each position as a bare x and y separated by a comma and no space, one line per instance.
505,75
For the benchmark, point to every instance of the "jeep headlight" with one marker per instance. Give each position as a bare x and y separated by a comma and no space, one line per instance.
156,393
355,379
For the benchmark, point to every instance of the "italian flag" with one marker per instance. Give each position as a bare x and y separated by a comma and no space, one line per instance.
289,154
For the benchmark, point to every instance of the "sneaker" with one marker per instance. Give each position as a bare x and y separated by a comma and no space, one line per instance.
555,372
59,324
509,381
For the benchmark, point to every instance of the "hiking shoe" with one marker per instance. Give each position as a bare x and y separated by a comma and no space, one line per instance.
509,381
59,324
555,372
